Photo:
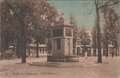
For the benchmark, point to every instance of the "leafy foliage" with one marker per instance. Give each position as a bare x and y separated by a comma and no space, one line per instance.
26,20
111,30
85,38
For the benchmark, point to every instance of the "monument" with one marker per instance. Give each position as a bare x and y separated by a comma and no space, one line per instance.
62,44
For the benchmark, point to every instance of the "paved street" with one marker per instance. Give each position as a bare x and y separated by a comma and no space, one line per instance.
85,68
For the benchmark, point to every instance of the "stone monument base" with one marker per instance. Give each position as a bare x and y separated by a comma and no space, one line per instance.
62,58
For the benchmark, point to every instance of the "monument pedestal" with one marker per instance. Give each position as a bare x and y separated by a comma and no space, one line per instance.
56,58
63,58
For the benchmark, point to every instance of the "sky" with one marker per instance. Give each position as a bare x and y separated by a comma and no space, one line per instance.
82,11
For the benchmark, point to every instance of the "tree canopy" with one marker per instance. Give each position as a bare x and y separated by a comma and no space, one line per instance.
25,20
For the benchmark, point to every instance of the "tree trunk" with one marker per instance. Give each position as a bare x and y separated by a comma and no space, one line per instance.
18,50
22,40
37,49
98,32
106,33
84,49
29,49
23,50
95,45
23,43
106,46
0,34
118,51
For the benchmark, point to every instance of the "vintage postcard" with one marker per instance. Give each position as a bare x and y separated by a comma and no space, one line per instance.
59,38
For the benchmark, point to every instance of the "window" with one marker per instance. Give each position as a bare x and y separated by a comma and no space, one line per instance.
57,32
68,32
58,43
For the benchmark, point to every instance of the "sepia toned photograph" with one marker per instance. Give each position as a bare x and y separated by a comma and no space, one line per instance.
59,38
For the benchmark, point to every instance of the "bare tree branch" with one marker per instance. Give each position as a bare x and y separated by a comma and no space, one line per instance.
108,4
114,3
95,2
104,4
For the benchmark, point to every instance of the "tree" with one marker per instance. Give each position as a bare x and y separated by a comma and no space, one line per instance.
4,30
118,28
110,28
26,19
85,38
98,7
94,39
19,10
12,19
45,16
98,31
0,34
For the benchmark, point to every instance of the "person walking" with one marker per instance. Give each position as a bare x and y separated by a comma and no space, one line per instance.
85,54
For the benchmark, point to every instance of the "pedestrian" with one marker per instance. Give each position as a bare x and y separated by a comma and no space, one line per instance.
85,54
